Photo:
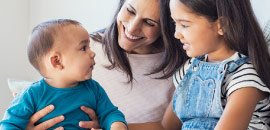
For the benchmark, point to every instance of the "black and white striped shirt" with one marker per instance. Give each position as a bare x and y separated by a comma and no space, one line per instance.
244,76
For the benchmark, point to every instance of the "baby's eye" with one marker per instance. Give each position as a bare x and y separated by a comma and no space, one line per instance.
83,48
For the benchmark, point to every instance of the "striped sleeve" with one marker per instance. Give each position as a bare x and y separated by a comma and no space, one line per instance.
244,76
179,75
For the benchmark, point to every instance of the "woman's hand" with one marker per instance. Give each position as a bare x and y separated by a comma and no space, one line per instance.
94,124
44,125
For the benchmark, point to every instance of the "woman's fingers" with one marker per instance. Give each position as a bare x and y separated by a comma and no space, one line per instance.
59,128
87,124
92,115
43,112
49,123
90,112
44,125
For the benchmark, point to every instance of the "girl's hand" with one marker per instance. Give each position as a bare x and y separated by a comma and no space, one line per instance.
44,125
94,124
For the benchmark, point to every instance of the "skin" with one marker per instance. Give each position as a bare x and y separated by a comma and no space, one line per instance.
68,62
200,37
139,19
70,59
189,28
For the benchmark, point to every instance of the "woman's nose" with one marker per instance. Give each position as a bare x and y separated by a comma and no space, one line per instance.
134,26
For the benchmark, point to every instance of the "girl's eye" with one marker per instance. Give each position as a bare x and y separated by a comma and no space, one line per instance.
130,11
184,26
83,48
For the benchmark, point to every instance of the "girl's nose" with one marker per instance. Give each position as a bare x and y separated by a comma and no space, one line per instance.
178,35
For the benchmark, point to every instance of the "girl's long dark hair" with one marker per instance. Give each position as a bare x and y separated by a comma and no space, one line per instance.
173,56
242,32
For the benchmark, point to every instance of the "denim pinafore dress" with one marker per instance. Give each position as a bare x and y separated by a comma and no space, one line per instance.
197,99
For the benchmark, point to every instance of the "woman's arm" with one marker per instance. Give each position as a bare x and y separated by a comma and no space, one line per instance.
44,125
169,122
239,109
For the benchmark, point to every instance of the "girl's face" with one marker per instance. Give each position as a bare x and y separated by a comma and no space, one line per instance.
138,25
198,35
76,57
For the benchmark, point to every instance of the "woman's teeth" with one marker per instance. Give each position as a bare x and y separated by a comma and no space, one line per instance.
130,36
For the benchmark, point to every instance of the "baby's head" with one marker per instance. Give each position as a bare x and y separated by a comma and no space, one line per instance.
60,48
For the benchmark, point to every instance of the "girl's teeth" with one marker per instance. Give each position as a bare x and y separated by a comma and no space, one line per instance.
130,36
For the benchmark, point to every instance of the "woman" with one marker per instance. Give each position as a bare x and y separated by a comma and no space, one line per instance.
137,66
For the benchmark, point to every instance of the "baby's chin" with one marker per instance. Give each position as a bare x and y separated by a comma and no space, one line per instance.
87,77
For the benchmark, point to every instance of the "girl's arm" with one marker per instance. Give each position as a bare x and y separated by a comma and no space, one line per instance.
169,122
239,109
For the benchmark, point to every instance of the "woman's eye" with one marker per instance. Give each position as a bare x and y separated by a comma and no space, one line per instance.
130,11
149,23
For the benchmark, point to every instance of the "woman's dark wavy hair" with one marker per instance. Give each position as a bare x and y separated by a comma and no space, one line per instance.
173,56
241,30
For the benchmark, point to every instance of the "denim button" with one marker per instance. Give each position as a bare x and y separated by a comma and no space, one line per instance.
194,68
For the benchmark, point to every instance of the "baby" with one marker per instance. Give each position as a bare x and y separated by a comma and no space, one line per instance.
59,50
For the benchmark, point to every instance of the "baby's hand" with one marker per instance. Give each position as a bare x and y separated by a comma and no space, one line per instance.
14,94
118,126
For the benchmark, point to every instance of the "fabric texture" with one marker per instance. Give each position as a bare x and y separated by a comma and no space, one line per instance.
67,102
243,76
143,101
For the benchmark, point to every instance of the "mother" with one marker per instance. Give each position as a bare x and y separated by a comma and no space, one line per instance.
135,59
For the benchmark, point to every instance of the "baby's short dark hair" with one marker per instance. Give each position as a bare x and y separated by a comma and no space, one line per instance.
42,39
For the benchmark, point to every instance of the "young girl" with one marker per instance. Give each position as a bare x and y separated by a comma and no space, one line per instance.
225,85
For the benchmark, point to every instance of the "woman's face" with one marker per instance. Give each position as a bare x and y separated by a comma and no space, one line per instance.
138,25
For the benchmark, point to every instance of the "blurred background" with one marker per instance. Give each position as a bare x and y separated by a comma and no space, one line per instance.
18,17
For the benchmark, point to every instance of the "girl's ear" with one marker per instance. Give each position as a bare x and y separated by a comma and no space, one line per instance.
220,30
219,27
56,61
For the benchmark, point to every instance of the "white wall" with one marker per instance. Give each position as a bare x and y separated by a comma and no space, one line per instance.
18,17
13,38
93,14
262,10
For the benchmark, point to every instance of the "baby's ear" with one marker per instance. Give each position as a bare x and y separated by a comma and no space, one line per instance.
56,61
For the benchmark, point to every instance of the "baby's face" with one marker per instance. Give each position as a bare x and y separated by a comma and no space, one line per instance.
77,58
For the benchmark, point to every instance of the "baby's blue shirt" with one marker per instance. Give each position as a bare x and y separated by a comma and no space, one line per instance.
67,102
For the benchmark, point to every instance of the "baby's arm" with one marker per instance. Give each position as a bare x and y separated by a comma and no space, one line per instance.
18,114
107,113
239,109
